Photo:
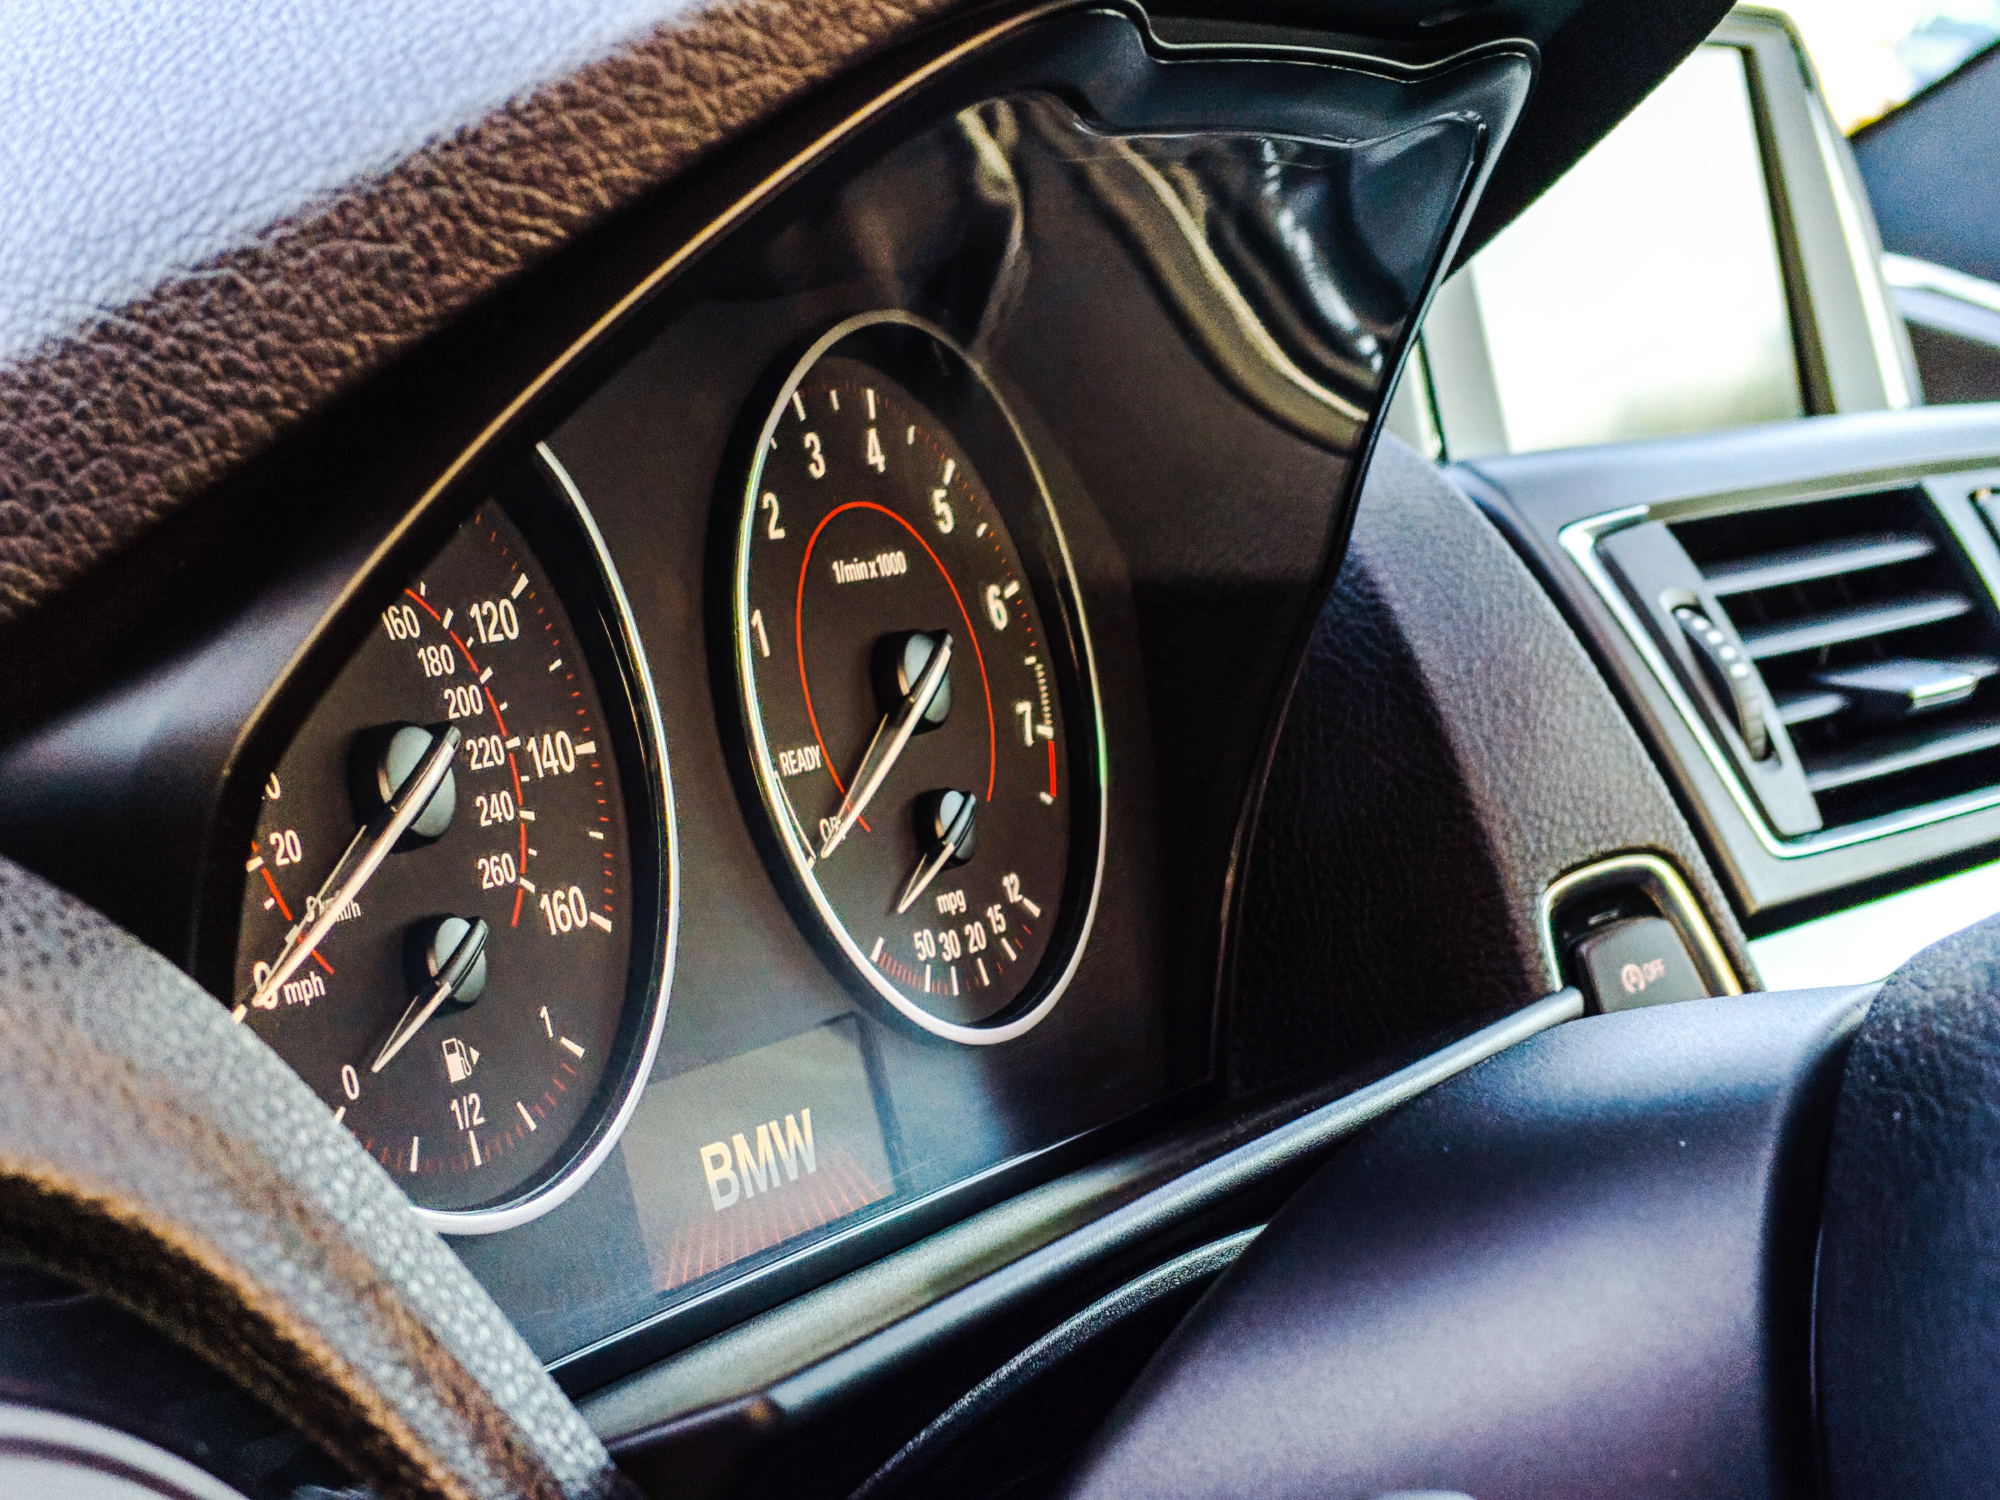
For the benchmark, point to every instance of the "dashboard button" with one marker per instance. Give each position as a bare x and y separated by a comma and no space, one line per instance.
1634,962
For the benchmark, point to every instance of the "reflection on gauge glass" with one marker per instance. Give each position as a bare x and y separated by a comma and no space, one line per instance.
458,914
916,679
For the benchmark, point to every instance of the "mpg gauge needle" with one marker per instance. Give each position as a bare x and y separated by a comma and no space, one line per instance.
364,856
892,736
953,822
424,1004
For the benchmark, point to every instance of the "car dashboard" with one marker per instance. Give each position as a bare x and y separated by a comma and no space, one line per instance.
873,760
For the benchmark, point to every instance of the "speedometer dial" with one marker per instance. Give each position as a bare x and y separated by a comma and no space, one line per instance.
449,927
915,676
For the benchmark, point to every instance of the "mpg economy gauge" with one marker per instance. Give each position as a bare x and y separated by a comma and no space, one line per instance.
916,679
458,913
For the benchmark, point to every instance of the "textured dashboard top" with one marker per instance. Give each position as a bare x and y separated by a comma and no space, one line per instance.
218,218
1449,752
218,222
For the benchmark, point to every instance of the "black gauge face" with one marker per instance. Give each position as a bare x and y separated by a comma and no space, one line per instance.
485,992
924,741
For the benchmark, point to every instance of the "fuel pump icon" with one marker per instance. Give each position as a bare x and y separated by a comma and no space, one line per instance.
459,1059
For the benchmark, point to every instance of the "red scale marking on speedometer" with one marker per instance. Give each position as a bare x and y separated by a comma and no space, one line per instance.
799,633
513,767
283,909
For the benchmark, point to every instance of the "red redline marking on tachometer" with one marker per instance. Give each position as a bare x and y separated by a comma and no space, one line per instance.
1052,770
799,634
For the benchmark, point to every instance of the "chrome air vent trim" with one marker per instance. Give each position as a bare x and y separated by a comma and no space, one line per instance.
1579,540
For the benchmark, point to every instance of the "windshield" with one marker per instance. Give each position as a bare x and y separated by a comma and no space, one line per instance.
1873,55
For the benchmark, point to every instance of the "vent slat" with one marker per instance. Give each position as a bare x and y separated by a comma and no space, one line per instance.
1890,756
1808,708
1878,649
1794,565
1838,627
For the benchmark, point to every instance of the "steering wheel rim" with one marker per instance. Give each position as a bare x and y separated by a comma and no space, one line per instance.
155,1153
1583,1268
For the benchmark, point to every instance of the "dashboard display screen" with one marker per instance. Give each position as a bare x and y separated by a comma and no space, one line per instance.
744,1155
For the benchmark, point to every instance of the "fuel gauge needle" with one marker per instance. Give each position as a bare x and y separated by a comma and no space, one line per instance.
892,737
425,1003
356,867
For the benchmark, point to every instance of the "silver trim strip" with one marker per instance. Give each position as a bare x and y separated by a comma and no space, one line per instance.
577,1173
1864,254
1870,942
1579,539
1235,1170
847,1317
1667,888
1916,275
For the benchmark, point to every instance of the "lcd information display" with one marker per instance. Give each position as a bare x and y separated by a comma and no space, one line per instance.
743,1155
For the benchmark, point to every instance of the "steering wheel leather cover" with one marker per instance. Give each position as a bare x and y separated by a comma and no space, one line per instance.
1908,1347
156,1153
1582,1269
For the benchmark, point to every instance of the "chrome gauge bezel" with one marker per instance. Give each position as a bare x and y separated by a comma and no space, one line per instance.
1080,895
538,495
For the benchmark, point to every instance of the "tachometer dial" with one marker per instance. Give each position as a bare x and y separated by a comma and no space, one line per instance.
451,926
915,675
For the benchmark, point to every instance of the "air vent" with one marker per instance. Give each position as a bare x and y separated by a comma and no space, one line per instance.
1874,638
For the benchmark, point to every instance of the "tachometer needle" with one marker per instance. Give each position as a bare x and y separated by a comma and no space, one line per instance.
363,857
956,835
424,1004
892,736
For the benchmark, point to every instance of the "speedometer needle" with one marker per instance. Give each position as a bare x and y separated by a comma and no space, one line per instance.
892,736
424,1004
364,856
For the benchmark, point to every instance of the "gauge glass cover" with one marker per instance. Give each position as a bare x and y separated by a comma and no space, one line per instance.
502,1096
951,847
